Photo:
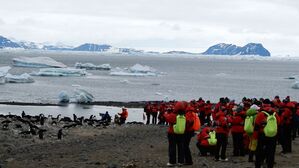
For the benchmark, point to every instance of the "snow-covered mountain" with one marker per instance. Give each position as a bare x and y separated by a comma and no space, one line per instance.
230,49
6,43
218,49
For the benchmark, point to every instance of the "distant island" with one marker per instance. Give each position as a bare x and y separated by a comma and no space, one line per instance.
230,49
218,49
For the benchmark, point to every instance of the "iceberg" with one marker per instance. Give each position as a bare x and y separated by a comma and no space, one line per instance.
37,62
295,85
90,66
82,96
3,73
63,72
63,97
23,78
137,71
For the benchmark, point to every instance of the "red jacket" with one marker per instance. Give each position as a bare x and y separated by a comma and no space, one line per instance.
260,123
203,136
171,119
222,123
237,124
286,117
189,121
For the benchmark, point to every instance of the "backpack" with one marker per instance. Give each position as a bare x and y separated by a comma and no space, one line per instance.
270,129
212,140
180,126
248,125
196,124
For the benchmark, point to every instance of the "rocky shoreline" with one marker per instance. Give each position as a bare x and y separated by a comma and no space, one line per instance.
131,104
113,146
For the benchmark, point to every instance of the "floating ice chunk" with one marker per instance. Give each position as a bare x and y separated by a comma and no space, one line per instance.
60,72
76,85
23,78
90,66
124,81
3,72
221,74
82,96
137,70
158,93
64,97
295,85
37,62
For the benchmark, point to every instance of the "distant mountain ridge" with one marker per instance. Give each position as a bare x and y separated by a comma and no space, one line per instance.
218,49
231,49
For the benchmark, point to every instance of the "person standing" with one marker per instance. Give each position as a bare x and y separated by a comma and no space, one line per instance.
266,145
123,115
189,133
175,141
237,131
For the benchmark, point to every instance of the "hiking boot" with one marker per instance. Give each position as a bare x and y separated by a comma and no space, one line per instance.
224,160
180,164
170,165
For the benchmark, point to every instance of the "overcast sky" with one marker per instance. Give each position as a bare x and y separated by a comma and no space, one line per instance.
190,25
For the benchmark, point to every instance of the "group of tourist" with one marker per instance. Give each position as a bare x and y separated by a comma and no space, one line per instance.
256,125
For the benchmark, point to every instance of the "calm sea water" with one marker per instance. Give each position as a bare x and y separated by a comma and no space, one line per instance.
187,77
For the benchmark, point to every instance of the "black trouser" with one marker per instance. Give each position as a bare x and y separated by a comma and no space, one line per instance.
286,138
204,150
154,120
187,153
238,144
221,143
122,120
266,147
295,128
148,118
175,141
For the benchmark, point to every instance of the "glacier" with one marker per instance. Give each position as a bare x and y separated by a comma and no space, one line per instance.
62,72
90,66
136,70
23,78
82,96
37,62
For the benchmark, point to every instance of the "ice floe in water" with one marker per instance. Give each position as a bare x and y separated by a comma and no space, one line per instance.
90,66
37,62
295,85
64,97
136,70
3,73
23,78
64,72
82,96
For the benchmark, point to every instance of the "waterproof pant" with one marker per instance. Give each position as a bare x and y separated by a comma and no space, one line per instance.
148,118
286,138
154,120
222,139
266,147
238,144
176,143
204,150
187,153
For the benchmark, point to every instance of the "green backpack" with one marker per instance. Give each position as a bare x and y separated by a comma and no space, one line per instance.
212,140
248,125
270,129
180,126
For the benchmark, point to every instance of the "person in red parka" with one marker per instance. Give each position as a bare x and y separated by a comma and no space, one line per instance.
237,130
189,133
222,129
123,115
266,146
175,141
286,127
203,143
